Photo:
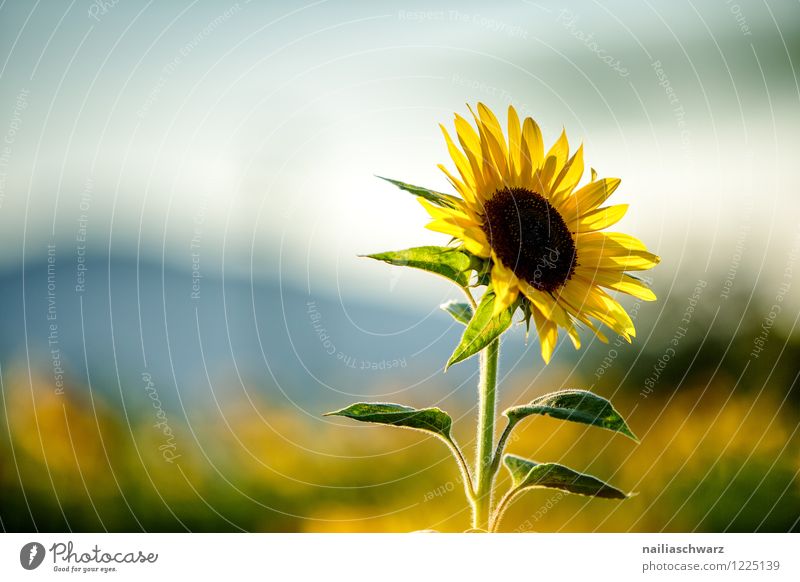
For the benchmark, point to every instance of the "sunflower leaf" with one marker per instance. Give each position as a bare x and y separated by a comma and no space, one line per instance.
432,420
574,405
438,198
482,329
447,262
527,474
461,312
482,268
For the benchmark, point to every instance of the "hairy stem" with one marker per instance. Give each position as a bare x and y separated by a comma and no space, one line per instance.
501,444
470,298
482,503
469,488
501,509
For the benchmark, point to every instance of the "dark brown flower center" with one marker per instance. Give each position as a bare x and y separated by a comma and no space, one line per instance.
530,237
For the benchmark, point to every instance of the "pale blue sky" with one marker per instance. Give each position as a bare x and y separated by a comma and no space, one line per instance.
260,126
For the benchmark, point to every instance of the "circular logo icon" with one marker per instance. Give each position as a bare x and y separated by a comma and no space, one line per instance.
31,555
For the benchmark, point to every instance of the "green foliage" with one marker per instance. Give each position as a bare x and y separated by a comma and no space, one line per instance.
431,420
482,268
574,405
526,474
447,262
461,312
483,328
438,198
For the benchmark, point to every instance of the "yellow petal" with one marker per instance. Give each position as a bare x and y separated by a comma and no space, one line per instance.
598,219
459,230
491,123
618,281
560,149
504,283
610,241
559,154
472,242
596,303
542,301
467,192
500,272
446,213
587,322
495,167
572,331
514,139
569,177
632,261
473,238
589,197
545,303
613,250
446,228
461,161
471,144
543,177
548,335
531,149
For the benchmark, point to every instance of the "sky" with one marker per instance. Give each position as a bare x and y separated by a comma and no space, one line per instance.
245,137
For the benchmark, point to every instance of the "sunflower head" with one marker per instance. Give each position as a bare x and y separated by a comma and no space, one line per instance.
522,210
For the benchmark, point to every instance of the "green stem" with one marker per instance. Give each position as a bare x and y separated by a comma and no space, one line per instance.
501,509
470,298
501,445
482,503
462,466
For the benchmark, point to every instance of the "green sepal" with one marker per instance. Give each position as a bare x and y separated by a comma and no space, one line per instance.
482,268
576,406
527,474
527,313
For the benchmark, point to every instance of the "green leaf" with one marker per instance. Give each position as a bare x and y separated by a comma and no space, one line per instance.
526,474
482,268
426,419
438,198
461,312
450,263
575,405
482,329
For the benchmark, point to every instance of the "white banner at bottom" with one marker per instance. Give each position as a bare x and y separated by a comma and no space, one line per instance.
388,557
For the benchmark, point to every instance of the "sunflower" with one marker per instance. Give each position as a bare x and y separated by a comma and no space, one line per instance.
521,208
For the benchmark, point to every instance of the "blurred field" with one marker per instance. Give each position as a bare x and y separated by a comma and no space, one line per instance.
710,459
719,451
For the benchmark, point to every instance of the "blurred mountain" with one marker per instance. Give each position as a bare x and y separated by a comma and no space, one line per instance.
202,339
130,319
